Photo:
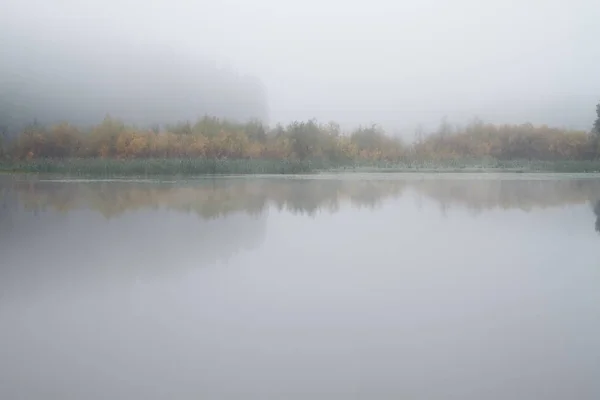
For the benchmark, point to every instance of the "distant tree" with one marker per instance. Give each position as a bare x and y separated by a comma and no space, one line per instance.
597,122
255,130
419,134
3,130
445,128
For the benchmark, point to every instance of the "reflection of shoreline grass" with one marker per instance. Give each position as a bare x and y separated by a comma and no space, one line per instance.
468,166
97,167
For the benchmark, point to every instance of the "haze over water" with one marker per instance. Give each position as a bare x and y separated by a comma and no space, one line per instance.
371,287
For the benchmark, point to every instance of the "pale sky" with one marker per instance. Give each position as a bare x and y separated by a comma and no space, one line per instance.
398,63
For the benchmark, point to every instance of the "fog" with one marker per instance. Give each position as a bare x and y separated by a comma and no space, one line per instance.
396,63
54,81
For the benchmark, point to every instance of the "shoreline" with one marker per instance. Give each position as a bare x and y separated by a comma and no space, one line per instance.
198,167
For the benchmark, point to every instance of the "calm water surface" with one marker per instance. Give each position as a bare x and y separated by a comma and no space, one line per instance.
377,287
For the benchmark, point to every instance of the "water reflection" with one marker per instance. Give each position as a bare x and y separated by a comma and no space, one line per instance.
216,198
291,288
67,237
136,229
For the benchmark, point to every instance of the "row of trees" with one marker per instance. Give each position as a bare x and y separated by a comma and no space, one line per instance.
216,138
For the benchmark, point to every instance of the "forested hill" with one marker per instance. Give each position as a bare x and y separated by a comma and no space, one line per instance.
51,81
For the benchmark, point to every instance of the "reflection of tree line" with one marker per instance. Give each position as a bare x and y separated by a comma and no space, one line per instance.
175,244
207,199
526,195
220,197
597,212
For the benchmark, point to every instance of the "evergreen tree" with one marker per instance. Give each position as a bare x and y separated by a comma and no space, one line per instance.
596,129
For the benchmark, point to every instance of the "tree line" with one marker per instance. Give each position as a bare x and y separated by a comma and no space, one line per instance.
211,137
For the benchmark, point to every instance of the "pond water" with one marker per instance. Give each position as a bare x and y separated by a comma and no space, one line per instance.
329,287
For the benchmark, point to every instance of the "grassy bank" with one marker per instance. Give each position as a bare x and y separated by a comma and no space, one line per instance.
149,167
97,167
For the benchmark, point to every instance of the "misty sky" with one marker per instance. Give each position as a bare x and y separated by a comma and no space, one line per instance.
398,63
